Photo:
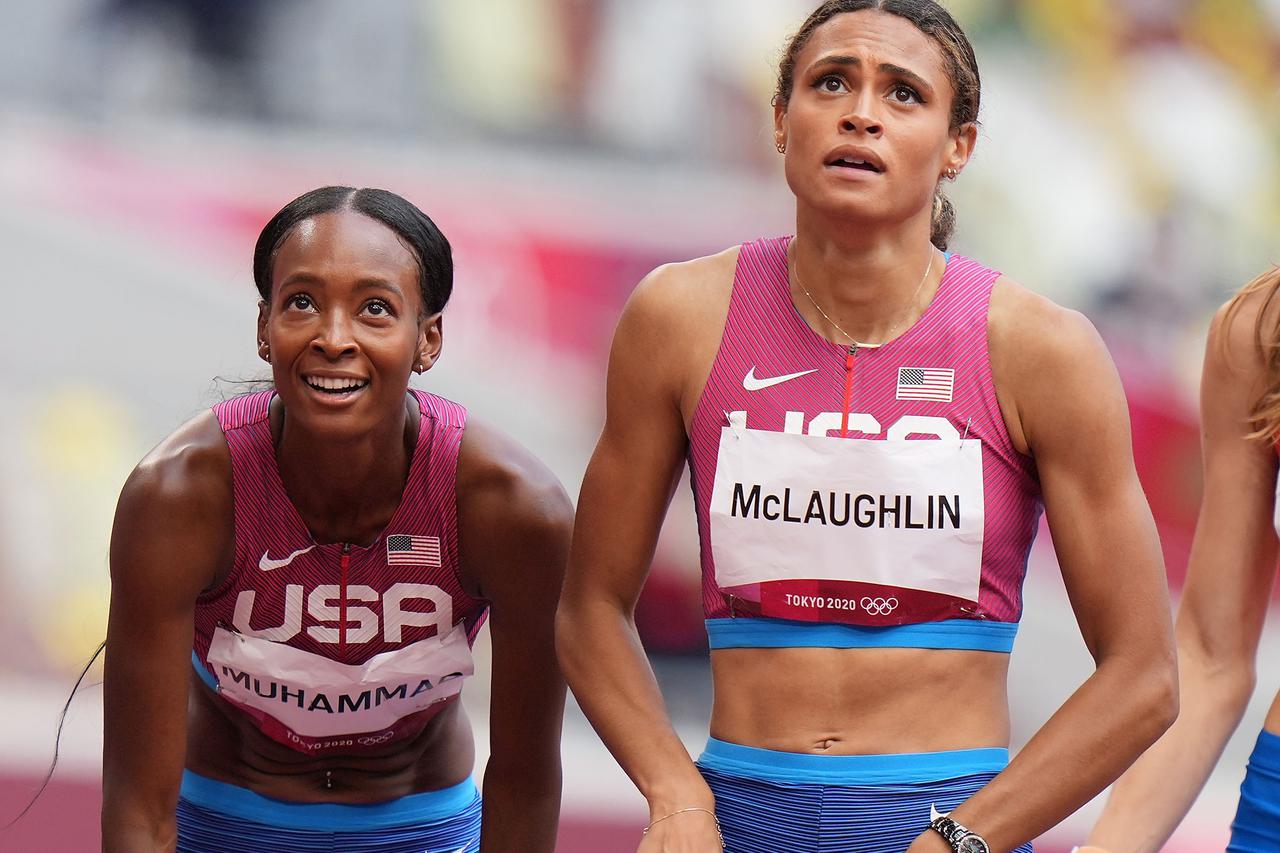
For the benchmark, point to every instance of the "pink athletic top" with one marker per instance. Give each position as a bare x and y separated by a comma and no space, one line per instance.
877,539
339,646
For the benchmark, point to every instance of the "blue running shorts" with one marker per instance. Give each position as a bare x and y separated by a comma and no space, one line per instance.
1256,828
785,802
214,817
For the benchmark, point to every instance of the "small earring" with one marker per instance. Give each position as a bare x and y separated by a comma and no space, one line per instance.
951,174
781,146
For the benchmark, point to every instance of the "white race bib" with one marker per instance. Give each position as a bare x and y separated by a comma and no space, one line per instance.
317,697
906,514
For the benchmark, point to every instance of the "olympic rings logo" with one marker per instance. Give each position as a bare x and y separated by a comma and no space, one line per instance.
879,606
371,740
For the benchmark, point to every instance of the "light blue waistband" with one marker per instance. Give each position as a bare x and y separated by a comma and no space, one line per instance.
427,807
760,632
793,767
203,672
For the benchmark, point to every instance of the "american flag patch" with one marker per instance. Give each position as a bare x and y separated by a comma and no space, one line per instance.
926,383
405,550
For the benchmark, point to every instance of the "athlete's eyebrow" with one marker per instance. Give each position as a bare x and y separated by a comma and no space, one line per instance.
907,74
366,283
373,282
836,59
300,277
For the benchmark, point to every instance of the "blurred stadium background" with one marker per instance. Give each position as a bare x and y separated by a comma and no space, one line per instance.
1129,166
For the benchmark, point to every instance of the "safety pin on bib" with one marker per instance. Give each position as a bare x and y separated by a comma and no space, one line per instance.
737,422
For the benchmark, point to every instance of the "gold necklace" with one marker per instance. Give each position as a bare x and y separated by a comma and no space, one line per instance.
853,342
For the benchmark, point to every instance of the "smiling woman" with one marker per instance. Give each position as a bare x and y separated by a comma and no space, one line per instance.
405,278
860,668
334,546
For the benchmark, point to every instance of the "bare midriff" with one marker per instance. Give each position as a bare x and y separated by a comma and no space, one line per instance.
860,701
224,744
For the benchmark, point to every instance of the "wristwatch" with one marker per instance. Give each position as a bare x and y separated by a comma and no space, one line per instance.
959,837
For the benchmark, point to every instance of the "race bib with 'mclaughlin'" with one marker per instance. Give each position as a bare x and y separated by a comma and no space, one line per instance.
866,532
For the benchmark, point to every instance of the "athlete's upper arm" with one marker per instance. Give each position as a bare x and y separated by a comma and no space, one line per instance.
648,364
1233,557
1070,407
172,532
635,466
514,524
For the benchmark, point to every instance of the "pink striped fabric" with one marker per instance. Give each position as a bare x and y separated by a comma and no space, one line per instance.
764,333
274,549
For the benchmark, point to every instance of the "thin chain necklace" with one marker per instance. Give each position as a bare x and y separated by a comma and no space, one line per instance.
853,342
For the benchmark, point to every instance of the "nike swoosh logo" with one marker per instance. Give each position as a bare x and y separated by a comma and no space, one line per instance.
267,564
751,383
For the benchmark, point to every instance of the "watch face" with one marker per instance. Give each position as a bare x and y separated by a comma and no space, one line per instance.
973,844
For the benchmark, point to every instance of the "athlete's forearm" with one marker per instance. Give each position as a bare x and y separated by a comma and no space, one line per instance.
605,665
140,790
1117,713
521,809
137,842
1153,796
125,831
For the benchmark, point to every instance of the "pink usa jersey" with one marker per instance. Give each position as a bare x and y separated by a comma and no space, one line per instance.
338,646
869,487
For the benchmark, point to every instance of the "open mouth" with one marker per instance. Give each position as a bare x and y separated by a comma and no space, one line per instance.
335,386
853,163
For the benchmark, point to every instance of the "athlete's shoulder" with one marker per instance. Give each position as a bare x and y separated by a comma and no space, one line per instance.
700,271
1047,360
675,314
676,289
668,335
495,469
174,522
512,510
189,470
1029,325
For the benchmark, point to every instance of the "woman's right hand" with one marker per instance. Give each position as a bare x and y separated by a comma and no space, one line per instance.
685,832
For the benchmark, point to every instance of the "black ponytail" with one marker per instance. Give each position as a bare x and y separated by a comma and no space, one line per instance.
57,738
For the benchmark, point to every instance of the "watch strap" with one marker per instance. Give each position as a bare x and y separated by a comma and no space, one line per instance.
951,831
